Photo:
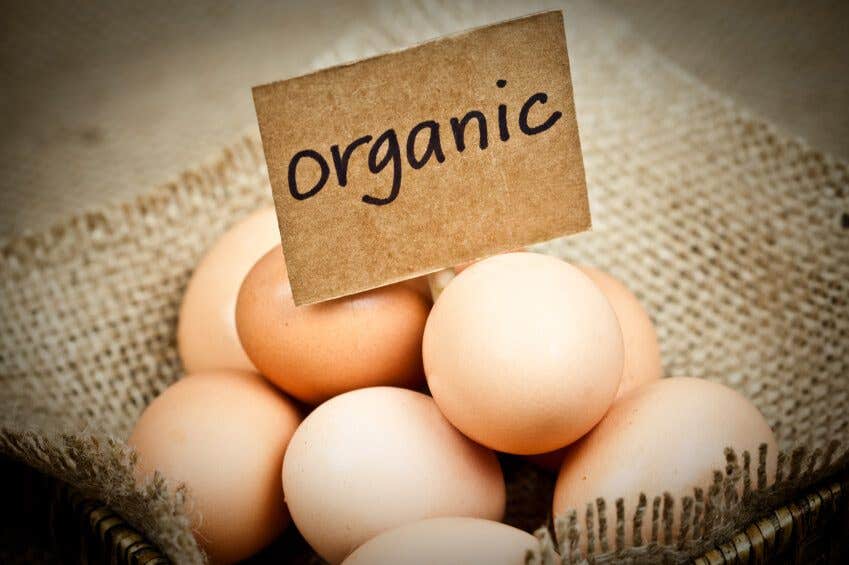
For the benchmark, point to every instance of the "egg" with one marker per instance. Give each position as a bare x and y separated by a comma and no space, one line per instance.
372,459
642,351
206,330
523,353
666,436
317,351
223,434
447,541
420,285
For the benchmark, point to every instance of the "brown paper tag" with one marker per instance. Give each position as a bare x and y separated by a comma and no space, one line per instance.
406,163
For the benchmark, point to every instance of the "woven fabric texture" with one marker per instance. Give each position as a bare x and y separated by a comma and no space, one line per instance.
733,236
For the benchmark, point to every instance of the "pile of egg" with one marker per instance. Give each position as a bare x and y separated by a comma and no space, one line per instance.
372,421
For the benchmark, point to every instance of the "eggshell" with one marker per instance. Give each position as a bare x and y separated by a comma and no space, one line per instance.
317,351
523,353
206,330
666,436
642,351
223,434
420,285
447,541
370,460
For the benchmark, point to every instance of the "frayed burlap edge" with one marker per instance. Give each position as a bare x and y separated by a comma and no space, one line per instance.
685,527
98,464
85,460
240,172
102,468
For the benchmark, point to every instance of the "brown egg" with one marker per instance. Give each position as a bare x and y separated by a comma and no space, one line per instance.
447,541
223,434
523,353
420,285
642,351
206,331
318,351
666,436
370,460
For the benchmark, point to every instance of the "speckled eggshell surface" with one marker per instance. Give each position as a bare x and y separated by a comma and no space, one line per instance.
523,353
376,458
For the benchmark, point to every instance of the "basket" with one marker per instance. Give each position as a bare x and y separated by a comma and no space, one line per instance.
733,235
811,529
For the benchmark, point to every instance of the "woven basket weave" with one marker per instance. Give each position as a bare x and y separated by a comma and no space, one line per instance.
808,530
733,236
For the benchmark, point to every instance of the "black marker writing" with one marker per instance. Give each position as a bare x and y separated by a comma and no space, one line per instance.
293,177
423,145
393,153
458,127
542,98
434,147
340,162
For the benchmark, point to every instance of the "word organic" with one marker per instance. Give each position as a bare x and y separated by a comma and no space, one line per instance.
408,162
424,142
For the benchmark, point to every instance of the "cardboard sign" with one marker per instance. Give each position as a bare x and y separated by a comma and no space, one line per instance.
410,162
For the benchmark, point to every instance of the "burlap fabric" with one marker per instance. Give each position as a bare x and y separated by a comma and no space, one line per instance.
733,235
